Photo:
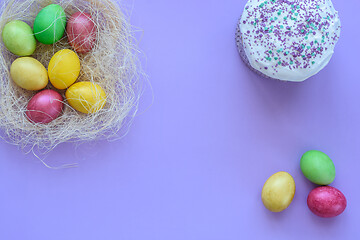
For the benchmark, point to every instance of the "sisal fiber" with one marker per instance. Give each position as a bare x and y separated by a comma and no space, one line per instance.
113,64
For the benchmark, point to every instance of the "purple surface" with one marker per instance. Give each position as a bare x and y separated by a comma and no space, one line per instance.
193,165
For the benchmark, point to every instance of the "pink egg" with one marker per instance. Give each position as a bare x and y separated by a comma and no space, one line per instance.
81,32
326,201
44,107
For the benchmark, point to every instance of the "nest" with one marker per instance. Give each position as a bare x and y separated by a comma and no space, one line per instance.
113,64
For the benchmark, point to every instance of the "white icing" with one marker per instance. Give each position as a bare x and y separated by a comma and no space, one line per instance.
257,49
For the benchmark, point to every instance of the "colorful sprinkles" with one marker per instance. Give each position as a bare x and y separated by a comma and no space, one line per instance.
295,33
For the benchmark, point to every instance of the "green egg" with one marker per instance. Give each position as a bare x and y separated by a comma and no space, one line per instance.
49,24
18,38
317,167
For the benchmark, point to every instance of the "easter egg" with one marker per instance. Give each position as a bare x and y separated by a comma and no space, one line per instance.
18,38
49,24
44,107
317,167
278,191
326,201
29,73
81,32
64,68
86,97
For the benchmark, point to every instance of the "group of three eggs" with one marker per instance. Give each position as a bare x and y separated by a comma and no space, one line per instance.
324,201
64,67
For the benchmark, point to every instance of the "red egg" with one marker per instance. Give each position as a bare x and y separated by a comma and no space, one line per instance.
44,107
81,32
326,201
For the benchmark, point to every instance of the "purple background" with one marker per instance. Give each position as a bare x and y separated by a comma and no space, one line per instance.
193,165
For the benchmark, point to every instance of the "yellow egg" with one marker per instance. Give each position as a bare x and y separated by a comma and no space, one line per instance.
29,73
86,97
64,68
278,191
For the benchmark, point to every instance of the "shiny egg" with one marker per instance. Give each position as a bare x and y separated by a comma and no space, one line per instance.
81,32
326,201
18,38
49,24
317,167
64,68
29,73
278,191
86,97
44,107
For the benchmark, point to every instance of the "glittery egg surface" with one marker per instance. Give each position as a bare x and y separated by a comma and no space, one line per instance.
326,201
278,191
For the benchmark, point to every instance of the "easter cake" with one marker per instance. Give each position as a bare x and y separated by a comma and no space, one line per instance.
289,40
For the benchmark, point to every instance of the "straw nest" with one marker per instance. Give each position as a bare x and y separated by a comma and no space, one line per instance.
113,64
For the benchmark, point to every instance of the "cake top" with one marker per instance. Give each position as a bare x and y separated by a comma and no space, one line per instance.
289,39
